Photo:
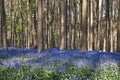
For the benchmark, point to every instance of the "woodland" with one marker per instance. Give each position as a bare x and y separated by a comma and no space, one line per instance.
59,39
65,24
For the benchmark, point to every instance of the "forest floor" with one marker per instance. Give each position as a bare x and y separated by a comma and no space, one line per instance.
62,59
53,56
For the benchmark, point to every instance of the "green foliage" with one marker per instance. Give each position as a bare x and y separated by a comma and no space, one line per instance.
24,73
14,74
108,72
75,73
42,74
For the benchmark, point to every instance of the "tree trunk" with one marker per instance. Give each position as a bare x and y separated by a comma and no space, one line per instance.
29,24
90,25
84,25
4,28
35,31
40,37
111,27
69,25
118,30
0,24
63,24
106,48
99,24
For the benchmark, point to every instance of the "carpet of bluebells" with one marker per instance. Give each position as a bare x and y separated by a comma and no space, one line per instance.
56,64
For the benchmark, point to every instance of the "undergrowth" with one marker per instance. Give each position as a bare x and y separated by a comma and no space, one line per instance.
106,71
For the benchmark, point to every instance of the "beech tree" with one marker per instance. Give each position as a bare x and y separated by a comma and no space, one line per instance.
84,25
118,29
40,37
3,26
0,25
64,24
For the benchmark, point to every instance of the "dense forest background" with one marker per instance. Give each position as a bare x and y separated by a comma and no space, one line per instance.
64,24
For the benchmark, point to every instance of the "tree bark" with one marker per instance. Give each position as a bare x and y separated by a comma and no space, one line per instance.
40,37
4,28
84,25
90,25
111,27
63,24
99,24
118,30
0,24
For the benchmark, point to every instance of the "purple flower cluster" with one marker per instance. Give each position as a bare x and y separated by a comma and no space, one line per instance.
15,57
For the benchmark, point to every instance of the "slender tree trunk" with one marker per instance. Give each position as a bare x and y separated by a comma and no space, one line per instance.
63,24
72,25
21,25
69,25
75,24
0,24
40,37
35,31
11,21
29,24
118,30
99,24
52,25
22,33
14,30
107,27
84,25
66,19
90,24
111,27
80,31
4,28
